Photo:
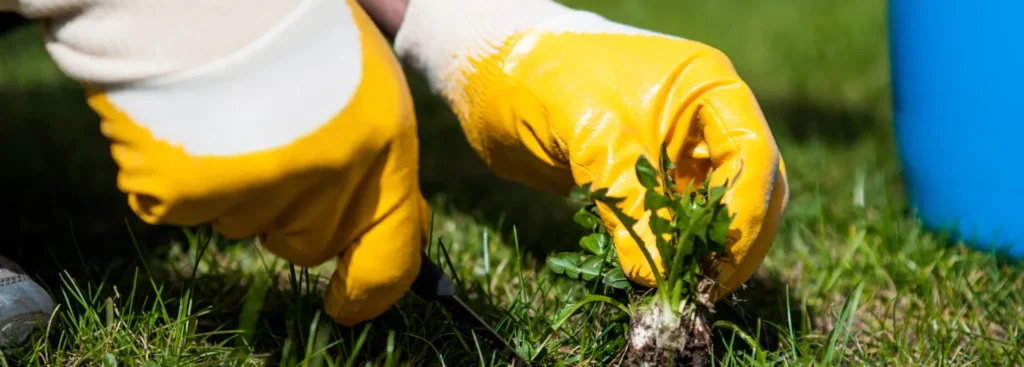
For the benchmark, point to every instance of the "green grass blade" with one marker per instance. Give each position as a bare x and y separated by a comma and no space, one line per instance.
350,362
841,333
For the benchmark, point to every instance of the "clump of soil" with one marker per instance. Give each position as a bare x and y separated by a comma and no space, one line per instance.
659,337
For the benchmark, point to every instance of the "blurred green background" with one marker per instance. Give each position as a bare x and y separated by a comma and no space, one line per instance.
820,72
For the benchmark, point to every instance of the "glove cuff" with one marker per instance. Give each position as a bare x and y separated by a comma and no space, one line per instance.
441,38
125,41
447,40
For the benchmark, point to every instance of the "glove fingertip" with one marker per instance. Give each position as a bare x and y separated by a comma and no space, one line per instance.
376,271
351,299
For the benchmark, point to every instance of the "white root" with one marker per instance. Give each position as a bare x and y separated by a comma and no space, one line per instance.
661,328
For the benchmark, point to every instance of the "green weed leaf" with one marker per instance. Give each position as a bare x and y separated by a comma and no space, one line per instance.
566,263
661,227
591,267
616,278
587,219
719,231
668,169
654,201
580,193
700,225
596,243
667,251
715,194
600,194
646,173
685,246
697,225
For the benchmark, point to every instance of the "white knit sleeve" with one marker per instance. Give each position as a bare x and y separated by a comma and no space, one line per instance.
440,36
121,41
443,37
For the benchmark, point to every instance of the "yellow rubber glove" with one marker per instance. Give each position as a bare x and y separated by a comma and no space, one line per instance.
306,138
554,97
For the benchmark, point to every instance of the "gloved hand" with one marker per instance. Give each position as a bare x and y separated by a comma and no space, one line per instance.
301,132
554,97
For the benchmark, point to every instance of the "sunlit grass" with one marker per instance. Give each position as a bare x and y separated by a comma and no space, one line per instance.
852,278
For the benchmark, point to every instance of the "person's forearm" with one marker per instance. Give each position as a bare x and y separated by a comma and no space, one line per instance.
387,14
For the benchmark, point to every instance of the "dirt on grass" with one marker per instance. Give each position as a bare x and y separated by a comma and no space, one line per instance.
655,343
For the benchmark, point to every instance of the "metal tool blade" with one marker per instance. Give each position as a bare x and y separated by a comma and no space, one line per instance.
433,285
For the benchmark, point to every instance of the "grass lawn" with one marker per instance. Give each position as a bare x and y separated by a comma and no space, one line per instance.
852,279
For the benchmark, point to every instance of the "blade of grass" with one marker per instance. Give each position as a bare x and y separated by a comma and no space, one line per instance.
313,327
448,260
390,351
844,324
519,264
251,309
479,352
487,266
350,362
138,249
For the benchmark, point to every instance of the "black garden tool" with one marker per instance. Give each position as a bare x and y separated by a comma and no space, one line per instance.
433,285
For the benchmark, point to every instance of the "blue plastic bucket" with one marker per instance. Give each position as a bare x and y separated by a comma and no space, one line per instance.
958,104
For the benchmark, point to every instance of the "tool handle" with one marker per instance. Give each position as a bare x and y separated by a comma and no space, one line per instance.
432,283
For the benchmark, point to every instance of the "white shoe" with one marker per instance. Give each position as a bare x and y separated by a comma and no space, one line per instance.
25,307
